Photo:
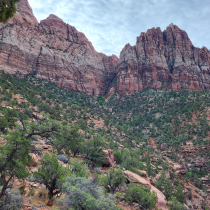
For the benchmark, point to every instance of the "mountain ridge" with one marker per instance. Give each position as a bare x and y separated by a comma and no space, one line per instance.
58,52
54,50
163,59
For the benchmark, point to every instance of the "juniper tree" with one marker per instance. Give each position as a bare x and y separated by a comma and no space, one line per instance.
51,173
113,180
7,9
14,154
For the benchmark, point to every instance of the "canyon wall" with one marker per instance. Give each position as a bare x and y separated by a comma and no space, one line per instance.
165,59
54,50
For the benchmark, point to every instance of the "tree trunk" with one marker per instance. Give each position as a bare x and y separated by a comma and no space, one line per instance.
50,194
5,186
3,191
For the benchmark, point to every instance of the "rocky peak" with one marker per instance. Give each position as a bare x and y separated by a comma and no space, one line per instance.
54,17
163,59
127,53
54,50
58,52
54,25
174,35
114,59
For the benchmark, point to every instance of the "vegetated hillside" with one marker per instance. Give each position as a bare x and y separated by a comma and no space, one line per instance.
76,125
168,116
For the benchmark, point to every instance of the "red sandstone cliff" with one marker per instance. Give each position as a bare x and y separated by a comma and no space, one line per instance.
55,51
163,59
58,52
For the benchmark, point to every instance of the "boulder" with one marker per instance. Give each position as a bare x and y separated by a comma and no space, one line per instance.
162,202
142,173
163,146
136,178
109,159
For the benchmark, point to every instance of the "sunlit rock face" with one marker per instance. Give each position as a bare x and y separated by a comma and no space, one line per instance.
54,50
163,59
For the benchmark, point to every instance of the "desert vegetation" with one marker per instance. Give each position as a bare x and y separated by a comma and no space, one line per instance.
160,136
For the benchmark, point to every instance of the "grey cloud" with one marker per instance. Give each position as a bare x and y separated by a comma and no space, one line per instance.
110,24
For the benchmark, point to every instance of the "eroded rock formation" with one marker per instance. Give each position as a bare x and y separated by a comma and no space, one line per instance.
163,59
58,52
55,51
109,159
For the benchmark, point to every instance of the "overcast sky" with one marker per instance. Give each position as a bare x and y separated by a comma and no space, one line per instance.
110,24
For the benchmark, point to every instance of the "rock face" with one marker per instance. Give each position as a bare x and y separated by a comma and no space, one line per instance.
161,199
55,51
109,159
136,179
58,52
163,59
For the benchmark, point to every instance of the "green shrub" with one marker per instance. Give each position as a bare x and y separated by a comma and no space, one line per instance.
141,195
82,193
175,205
189,195
12,200
62,158
78,168
118,157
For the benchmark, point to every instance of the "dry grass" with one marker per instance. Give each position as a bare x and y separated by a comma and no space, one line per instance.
42,193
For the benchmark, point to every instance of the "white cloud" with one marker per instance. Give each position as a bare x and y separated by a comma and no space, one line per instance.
110,24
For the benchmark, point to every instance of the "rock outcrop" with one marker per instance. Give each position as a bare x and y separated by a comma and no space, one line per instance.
165,59
136,178
161,199
54,51
109,159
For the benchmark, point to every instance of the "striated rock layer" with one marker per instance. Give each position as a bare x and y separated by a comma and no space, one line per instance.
163,59
55,51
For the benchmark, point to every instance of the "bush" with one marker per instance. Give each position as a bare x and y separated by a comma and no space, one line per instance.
12,200
118,157
78,168
31,192
141,195
175,205
31,178
62,158
42,193
113,179
82,124
97,170
82,193
189,195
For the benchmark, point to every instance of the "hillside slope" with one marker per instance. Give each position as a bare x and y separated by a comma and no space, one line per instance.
160,138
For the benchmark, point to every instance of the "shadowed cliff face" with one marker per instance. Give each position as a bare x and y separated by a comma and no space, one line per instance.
163,59
55,51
